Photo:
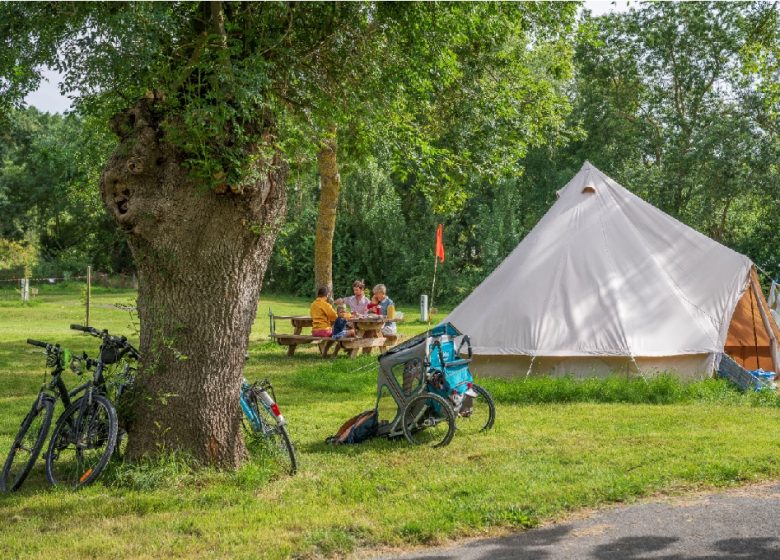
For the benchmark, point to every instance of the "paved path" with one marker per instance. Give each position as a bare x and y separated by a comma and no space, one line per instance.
739,524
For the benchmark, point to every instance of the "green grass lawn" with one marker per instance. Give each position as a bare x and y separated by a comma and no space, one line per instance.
557,446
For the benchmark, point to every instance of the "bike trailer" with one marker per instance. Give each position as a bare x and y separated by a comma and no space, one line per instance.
451,375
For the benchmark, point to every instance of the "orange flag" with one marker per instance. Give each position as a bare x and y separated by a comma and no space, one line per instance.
440,243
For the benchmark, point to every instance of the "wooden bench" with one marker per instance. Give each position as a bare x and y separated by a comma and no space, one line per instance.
350,344
292,341
390,341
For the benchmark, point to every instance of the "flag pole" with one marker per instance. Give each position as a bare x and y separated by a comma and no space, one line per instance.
433,286
438,256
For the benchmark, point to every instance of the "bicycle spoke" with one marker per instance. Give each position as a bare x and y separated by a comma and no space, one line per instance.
428,420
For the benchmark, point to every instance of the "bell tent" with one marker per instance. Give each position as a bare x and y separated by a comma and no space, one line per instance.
606,283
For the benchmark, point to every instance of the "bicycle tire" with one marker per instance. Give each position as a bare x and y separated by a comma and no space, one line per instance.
477,414
13,478
271,431
97,431
421,419
289,448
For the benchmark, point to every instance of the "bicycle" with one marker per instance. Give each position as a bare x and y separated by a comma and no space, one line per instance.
35,427
264,421
86,434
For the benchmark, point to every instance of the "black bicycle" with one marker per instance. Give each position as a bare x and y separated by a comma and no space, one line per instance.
86,434
35,426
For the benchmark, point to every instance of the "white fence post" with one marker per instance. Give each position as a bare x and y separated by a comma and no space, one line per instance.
424,308
25,289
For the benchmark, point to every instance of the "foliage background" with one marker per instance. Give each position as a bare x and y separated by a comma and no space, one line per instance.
674,101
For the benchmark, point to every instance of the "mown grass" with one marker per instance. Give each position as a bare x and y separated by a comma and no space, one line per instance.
558,445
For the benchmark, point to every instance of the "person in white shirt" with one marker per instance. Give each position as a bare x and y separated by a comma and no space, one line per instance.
358,303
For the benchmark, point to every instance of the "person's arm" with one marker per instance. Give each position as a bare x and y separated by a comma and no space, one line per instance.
330,313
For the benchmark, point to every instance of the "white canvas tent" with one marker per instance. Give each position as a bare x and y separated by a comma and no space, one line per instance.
607,283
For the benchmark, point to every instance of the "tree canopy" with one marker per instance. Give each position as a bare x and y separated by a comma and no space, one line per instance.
676,101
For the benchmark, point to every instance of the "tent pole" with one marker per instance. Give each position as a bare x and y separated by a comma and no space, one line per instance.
767,326
753,304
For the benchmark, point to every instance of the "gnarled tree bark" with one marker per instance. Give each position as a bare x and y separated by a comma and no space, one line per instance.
201,256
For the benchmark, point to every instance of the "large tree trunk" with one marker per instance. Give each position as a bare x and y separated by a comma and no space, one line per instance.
201,256
330,186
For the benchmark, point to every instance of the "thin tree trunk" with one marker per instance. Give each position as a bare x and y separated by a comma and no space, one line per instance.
201,257
719,229
330,186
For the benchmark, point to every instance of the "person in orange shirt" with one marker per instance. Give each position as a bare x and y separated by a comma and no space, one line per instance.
322,314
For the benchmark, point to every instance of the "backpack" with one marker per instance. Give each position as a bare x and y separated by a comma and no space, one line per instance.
356,429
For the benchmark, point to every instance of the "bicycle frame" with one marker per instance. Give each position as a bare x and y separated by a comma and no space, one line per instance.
55,389
85,391
265,399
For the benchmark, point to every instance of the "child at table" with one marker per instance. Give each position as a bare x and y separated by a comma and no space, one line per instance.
341,325
374,308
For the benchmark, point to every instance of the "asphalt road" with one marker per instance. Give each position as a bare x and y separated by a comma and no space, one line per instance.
738,524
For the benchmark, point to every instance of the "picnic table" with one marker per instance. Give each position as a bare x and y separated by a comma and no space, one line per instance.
368,335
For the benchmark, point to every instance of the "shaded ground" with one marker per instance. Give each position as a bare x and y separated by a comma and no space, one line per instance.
738,524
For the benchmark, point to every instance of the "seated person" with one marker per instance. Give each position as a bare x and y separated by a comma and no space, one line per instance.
341,326
322,314
387,308
358,302
373,308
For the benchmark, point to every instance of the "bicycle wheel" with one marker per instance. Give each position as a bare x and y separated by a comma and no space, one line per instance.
477,414
428,419
27,445
83,442
269,438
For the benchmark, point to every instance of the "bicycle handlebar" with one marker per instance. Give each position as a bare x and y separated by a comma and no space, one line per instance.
129,349
37,343
467,341
120,341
